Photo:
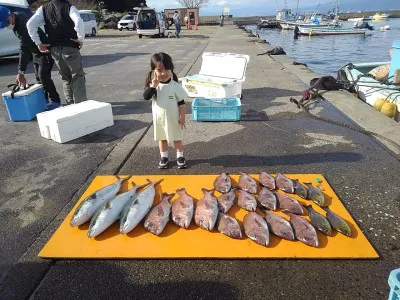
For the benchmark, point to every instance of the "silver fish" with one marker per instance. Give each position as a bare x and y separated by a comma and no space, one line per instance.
256,228
304,231
110,212
337,222
158,217
319,221
225,201
182,209
267,199
267,180
206,212
223,183
247,183
290,204
279,226
285,184
229,226
137,208
315,195
93,202
299,189
247,201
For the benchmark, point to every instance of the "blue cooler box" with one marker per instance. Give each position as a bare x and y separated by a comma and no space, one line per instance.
394,283
220,109
26,103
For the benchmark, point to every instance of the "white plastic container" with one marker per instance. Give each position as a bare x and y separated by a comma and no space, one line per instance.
73,121
221,76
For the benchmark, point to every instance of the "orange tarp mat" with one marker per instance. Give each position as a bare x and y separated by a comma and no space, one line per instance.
174,242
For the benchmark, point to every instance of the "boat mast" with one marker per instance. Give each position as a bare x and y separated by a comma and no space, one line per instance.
297,9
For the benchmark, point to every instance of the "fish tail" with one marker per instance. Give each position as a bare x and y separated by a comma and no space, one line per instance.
181,191
154,182
123,179
167,196
325,208
205,191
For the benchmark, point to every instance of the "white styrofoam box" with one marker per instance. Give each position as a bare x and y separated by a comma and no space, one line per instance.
221,76
73,121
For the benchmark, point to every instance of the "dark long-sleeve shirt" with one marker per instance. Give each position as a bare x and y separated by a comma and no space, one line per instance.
27,46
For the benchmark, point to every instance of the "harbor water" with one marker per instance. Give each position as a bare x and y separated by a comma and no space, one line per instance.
326,54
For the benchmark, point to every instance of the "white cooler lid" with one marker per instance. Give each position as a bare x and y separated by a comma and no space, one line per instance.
22,92
68,112
225,65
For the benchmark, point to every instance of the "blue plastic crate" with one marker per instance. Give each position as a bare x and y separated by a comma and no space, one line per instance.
394,283
26,103
224,109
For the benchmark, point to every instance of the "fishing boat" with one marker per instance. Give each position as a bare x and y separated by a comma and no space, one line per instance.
315,31
380,17
267,24
369,89
359,19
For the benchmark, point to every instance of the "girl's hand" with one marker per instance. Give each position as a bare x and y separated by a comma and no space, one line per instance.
182,121
155,81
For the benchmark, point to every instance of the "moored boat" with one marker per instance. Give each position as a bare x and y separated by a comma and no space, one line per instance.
315,31
370,90
380,17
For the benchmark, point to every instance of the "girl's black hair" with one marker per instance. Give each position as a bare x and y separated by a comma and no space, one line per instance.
166,61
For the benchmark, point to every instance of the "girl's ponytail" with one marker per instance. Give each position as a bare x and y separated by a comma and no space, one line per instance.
148,79
175,77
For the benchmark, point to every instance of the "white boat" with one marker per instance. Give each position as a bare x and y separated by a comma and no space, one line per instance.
315,31
359,19
370,90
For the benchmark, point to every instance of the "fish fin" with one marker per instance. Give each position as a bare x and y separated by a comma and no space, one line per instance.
154,182
126,178
205,191
167,197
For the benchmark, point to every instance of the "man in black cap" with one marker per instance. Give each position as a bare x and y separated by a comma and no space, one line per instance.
43,62
65,30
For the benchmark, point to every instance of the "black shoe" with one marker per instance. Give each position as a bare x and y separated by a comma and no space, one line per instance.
164,163
181,162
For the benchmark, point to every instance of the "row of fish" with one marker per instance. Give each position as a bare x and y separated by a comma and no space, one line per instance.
104,207
223,183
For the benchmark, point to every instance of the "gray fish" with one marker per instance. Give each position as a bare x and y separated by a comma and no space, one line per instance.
247,183
225,201
315,195
137,208
267,180
290,204
110,212
285,184
256,228
337,222
247,201
267,199
303,230
182,209
94,201
229,226
206,212
299,189
223,183
279,226
319,221
158,217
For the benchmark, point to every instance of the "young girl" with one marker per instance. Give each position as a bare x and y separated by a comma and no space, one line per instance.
168,107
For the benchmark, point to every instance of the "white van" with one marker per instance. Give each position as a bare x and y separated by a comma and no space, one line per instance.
150,22
89,21
9,43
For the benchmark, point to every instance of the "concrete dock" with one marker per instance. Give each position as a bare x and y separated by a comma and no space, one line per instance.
42,180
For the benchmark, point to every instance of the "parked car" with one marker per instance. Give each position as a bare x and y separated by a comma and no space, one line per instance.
127,22
89,21
150,22
9,43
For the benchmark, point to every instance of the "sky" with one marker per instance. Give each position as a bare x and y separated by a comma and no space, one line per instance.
269,7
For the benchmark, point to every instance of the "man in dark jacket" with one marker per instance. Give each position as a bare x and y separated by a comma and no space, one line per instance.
43,62
65,30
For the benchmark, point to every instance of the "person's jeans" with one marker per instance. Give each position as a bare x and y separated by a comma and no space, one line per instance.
43,64
177,29
69,62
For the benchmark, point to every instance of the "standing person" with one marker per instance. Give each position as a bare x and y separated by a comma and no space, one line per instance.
177,22
221,20
186,19
168,107
65,31
42,62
